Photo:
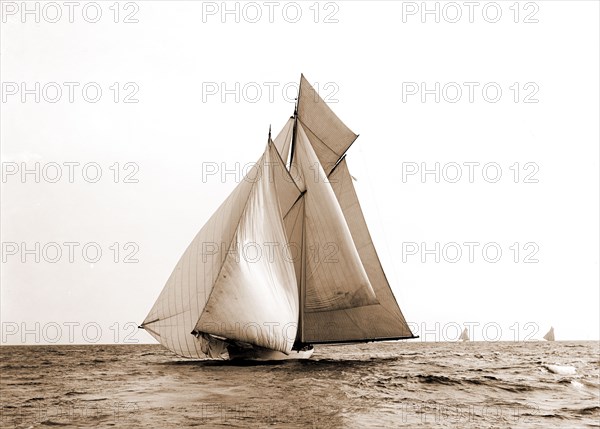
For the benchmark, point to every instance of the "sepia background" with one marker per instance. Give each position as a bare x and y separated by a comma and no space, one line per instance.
187,97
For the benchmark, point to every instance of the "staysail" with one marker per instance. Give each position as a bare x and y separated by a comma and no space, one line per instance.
178,307
283,141
549,335
255,297
248,222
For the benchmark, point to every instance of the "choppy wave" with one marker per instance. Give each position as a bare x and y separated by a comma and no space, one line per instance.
403,384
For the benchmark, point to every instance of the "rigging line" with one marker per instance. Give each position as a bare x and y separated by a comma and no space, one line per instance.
387,246
371,242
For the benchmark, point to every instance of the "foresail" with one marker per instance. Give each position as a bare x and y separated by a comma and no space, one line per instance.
382,320
286,188
328,135
334,276
283,141
255,298
176,311
291,201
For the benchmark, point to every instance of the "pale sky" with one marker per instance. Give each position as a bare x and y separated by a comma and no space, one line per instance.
373,64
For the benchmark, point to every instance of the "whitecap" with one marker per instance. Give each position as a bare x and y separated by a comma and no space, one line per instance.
561,369
577,384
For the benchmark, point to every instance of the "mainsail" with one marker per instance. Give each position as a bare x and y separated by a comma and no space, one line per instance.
287,260
465,335
549,335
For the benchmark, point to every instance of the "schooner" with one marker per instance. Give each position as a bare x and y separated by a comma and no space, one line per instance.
312,275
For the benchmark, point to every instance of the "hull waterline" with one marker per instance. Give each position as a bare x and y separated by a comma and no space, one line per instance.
260,354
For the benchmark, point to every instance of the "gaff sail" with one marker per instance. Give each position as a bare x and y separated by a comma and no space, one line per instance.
312,274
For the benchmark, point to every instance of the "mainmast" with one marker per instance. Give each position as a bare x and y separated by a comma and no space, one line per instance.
300,333
295,129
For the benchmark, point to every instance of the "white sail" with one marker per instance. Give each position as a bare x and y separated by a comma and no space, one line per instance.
182,300
465,335
549,335
283,141
255,297
334,275
287,259
328,135
294,227
382,320
179,306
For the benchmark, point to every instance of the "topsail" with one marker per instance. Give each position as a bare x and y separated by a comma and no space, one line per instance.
287,259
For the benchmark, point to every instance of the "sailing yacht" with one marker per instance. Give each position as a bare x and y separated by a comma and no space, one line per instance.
286,262
549,335
465,335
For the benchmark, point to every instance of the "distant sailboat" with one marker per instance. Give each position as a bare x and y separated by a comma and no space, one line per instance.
465,335
550,335
220,303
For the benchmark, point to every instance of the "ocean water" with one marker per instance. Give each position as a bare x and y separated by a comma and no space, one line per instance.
403,384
